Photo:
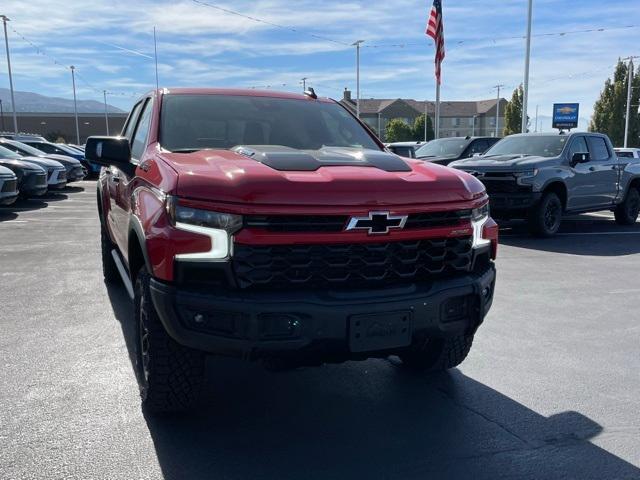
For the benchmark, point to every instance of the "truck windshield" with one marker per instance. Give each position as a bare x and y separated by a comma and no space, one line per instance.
197,122
443,147
538,146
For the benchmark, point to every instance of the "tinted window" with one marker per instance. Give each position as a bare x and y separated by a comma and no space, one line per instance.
578,145
599,149
48,148
625,154
443,147
140,138
534,145
479,146
131,121
196,122
403,151
7,153
23,149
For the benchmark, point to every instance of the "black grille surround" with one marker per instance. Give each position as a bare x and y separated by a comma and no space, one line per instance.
350,265
337,223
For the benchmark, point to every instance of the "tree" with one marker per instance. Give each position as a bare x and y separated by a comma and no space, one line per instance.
513,113
610,109
55,136
398,131
418,129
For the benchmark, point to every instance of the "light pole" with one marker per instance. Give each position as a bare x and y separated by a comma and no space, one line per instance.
357,45
75,104
155,56
106,113
497,108
2,115
628,113
473,128
525,96
304,84
379,126
5,19
537,118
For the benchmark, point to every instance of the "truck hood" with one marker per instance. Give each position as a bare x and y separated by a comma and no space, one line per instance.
326,177
503,162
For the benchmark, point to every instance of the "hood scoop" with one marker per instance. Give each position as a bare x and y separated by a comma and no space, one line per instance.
287,159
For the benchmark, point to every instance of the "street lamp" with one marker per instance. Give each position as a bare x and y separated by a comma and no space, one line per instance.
357,45
525,89
75,105
473,128
5,19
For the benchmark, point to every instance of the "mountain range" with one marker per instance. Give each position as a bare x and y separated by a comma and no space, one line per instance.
34,102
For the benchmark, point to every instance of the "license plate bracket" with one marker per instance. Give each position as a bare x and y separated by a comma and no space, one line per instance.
380,331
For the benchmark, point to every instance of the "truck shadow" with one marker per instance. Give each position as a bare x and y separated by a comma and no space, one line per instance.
367,420
579,235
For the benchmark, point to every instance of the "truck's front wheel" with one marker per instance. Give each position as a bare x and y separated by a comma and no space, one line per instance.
627,212
435,354
170,375
545,217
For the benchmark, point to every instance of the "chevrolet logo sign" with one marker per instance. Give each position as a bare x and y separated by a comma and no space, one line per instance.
377,223
567,110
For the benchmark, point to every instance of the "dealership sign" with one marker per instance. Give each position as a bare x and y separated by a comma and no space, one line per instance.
565,115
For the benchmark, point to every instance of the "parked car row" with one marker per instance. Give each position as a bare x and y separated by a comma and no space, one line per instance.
27,170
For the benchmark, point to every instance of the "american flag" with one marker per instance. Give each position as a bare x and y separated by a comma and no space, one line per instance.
435,30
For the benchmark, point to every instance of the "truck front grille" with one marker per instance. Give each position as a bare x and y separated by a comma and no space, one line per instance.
9,186
494,186
337,223
350,265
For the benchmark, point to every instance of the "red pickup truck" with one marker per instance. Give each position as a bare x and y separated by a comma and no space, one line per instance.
276,227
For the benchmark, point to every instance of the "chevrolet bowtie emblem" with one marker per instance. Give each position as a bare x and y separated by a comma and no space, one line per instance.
377,223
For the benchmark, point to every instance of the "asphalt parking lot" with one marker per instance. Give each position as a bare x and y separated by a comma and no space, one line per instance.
550,390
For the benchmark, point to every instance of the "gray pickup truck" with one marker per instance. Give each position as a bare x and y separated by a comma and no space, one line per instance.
541,177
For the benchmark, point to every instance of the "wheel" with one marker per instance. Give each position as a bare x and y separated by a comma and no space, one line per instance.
170,375
545,218
109,269
437,354
627,212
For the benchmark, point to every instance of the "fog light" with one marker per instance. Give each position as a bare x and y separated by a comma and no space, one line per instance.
198,318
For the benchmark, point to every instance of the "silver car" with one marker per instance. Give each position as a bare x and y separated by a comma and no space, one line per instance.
8,186
56,172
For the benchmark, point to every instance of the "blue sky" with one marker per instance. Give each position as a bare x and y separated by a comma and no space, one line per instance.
199,45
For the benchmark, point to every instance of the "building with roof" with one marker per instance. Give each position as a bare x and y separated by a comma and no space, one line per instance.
457,118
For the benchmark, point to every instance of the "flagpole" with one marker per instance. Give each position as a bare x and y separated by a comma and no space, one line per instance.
437,125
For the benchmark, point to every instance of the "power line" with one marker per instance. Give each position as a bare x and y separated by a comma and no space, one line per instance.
266,22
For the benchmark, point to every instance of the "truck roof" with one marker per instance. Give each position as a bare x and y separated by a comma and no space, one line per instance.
247,92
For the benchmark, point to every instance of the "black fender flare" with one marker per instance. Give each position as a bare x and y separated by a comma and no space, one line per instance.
136,230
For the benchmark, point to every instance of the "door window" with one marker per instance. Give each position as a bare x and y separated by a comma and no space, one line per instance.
131,121
599,149
140,138
579,145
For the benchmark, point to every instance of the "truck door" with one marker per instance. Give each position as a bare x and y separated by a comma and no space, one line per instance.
114,176
594,183
138,141
603,168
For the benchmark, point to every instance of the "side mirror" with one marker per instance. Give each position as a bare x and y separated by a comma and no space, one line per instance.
109,151
579,158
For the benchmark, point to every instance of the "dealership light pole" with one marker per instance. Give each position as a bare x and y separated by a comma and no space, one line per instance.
5,19
628,114
106,113
498,108
357,45
525,96
75,104
2,115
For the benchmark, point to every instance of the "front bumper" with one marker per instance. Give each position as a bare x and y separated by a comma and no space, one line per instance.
317,324
8,190
57,179
76,173
33,184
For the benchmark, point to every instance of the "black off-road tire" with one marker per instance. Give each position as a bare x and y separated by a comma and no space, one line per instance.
109,269
170,375
545,218
627,212
437,354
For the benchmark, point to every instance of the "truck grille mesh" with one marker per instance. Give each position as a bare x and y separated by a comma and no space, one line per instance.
350,265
